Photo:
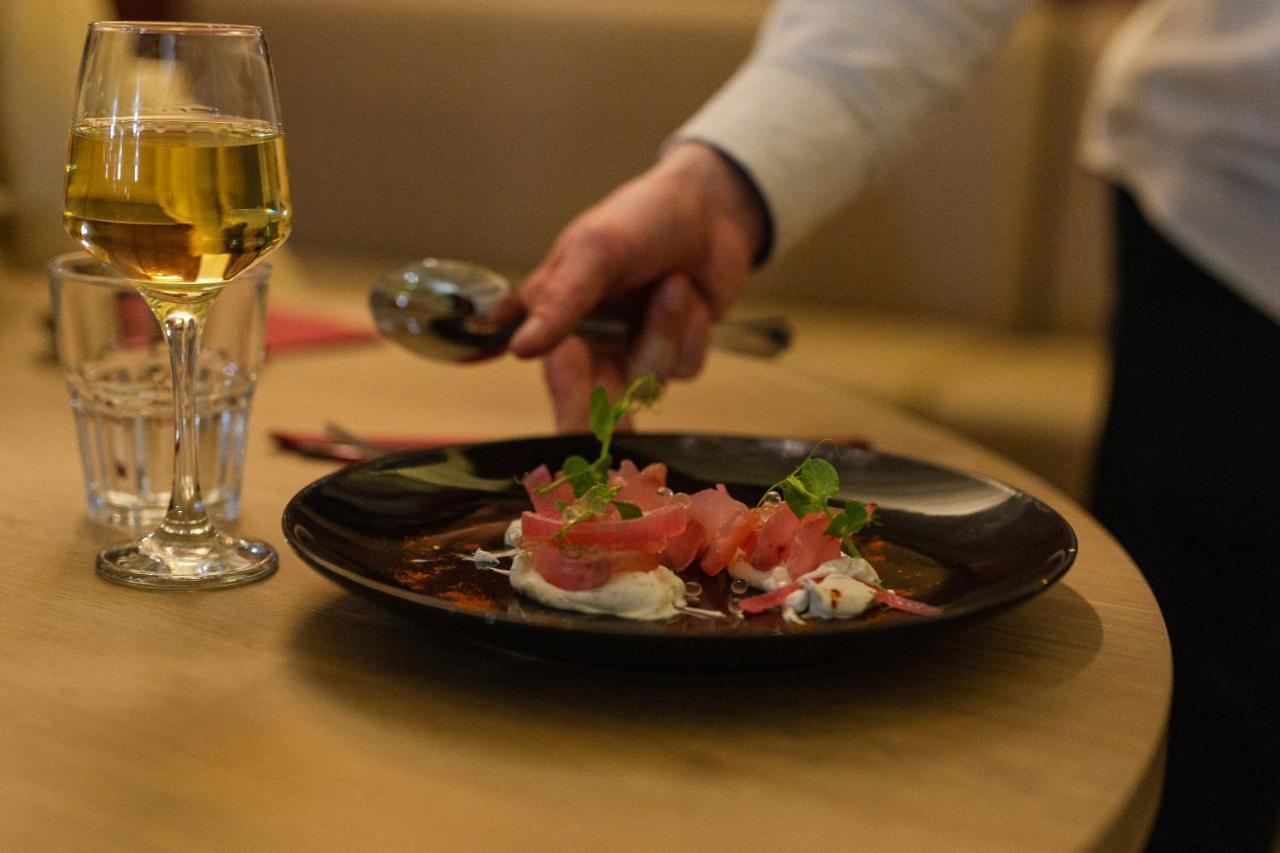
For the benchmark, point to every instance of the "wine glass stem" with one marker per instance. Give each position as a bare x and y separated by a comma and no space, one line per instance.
185,518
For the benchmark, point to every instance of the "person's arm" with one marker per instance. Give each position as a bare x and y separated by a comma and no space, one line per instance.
791,137
832,86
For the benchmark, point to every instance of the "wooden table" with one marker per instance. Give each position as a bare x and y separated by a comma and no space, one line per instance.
289,715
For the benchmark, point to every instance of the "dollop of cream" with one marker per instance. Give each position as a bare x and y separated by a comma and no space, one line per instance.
514,531
645,596
768,581
837,589
835,596
854,567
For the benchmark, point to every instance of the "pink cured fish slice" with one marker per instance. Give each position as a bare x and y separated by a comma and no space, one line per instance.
647,533
546,504
769,600
641,486
681,550
727,522
906,605
773,539
811,547
577,569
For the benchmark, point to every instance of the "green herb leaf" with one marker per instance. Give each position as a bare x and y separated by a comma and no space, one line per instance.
810,488
602,417
580,474
589,479
799,499
627,510
643,391
849,521
819,477
604,420
598,497
592,502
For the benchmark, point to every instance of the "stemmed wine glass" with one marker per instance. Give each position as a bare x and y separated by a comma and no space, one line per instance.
176,177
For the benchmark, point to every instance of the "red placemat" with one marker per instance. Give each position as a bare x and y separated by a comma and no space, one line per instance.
289,330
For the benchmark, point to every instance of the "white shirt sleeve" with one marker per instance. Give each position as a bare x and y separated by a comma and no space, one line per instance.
830,85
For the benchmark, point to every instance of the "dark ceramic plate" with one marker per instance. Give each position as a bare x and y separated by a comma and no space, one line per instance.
396,528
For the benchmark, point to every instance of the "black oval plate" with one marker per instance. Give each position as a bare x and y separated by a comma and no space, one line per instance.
396,528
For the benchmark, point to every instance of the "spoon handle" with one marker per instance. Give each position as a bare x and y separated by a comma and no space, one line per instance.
442,309
763,337
760,337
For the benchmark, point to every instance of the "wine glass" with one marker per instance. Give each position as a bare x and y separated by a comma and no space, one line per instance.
176,177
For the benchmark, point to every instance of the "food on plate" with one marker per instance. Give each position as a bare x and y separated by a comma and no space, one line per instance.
646,595
604,539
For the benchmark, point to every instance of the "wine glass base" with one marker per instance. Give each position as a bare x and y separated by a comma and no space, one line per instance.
222,561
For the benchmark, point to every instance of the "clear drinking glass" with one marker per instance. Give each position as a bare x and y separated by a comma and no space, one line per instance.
116,365
176,177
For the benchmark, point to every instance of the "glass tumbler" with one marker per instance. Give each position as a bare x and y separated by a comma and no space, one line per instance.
117,369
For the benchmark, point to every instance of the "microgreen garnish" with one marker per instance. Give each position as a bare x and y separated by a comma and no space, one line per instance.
627,510
579,473
589,504
811,487
605,417
590,479
593,501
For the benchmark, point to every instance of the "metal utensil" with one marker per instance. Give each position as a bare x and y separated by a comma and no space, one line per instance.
441,309
342,445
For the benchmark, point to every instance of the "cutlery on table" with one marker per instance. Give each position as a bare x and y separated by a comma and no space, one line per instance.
342,445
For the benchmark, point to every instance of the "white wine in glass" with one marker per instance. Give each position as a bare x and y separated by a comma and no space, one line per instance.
176,177
203,200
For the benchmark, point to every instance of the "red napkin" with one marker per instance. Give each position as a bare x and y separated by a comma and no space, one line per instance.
293,330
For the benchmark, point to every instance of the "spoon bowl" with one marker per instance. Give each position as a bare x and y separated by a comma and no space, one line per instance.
448,310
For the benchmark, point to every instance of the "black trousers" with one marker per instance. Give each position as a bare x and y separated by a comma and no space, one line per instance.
1188,480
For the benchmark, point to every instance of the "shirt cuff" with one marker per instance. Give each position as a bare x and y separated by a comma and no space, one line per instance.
799,145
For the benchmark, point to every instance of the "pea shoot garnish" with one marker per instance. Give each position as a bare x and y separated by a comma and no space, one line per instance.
590,478
811,487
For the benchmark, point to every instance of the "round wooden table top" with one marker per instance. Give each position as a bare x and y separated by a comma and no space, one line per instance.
290,715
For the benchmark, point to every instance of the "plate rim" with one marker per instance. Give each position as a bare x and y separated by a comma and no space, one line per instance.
616,627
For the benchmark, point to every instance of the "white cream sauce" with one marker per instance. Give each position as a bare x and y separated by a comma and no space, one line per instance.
837,589
658,594
512,537
835,596
756,579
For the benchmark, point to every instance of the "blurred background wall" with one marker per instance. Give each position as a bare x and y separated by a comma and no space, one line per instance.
40,43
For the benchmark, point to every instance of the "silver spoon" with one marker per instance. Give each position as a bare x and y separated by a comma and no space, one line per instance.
441,309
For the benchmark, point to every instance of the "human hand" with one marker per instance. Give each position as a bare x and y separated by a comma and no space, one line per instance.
688,229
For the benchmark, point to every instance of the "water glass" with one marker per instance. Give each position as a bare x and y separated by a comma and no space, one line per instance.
117,370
